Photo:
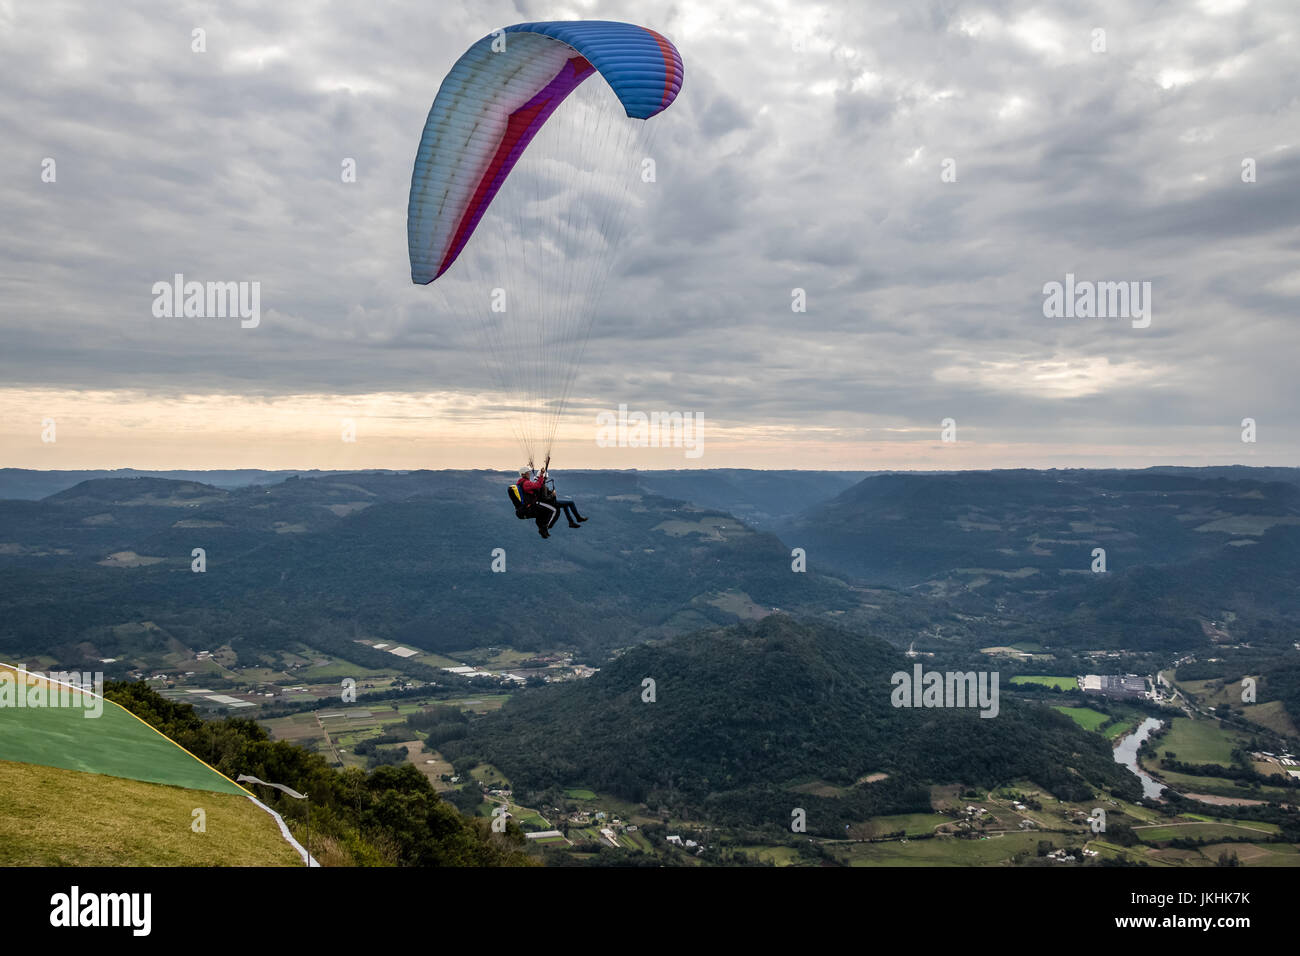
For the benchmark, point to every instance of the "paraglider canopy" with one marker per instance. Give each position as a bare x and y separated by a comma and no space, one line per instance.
532,237
496,99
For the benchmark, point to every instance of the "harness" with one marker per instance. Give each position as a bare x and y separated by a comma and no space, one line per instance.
523,509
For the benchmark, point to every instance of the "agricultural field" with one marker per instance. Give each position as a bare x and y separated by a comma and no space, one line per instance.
529,819
911,824
260,675
944,851
1120,726
1252,824
587,835
336,669
558,841
295,728
435,660
776,855
949,797
1219,786
423,657
1138,814
1120,721
1247,854
1085,717
479,703
1198,741
1161,833
1254,854
490,657
431,764
1130,855
1063,683
635,841
351,724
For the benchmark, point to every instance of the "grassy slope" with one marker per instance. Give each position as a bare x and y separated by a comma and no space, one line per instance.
56,817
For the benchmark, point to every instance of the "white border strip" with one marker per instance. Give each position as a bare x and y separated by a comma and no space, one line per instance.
284,830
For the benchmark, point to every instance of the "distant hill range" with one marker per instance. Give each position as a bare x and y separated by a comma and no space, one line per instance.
759,497
31,485
101,568
905,529
403,557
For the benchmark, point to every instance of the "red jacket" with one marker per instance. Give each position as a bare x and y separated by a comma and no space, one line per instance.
532,486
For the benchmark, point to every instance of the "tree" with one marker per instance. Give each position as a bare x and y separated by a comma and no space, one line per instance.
392,816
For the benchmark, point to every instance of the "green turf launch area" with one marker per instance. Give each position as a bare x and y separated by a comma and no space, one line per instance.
115,742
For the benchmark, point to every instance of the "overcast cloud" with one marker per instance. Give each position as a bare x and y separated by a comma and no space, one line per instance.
805,150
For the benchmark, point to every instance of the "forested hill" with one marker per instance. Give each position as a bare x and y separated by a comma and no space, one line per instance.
743,716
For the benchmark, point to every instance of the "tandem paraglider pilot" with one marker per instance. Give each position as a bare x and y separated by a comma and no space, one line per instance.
491,105
533,496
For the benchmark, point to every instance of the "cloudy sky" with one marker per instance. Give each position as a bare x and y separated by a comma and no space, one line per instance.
920,169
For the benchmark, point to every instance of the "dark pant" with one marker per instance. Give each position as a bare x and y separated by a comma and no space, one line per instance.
546,513
568,507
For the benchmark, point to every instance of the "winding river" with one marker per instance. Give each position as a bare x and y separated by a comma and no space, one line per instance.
1126,753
